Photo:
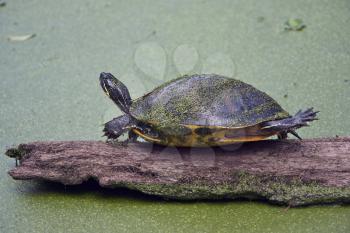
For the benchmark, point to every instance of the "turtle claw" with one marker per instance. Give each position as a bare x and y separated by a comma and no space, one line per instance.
310,119
298,112
303,117
295,134
109,135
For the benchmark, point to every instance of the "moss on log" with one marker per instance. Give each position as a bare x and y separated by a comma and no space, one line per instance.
289,172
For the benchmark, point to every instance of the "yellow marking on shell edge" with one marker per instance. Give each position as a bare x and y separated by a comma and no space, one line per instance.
193,127
242,139
242,136
150,139
217,138
223,142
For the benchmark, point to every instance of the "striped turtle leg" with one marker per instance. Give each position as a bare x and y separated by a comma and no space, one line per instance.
289,125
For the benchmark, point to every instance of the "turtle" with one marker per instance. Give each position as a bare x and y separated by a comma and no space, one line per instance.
200,110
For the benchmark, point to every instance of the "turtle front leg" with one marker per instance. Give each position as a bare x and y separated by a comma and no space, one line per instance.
132,137
289,125
115,128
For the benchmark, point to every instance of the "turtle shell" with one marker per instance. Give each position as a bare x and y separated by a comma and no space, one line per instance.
206,100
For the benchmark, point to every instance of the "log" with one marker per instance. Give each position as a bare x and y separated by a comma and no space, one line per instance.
288,172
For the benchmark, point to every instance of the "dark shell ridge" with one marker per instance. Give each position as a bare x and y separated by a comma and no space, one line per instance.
207,100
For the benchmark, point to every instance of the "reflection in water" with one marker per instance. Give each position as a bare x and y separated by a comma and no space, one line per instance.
150,58
219,63
185,58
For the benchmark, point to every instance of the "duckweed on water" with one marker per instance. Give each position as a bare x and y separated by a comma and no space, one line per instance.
294,25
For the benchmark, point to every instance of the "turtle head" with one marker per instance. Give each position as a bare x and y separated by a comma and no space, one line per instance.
116,90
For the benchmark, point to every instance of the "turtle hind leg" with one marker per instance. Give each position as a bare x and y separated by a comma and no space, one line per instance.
289,125
115,128
284,135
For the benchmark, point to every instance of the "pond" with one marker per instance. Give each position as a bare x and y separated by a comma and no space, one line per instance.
53,51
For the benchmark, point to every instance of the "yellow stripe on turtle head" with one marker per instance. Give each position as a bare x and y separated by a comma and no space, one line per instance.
105,90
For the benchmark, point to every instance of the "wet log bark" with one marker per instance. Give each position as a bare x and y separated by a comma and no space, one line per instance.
290,172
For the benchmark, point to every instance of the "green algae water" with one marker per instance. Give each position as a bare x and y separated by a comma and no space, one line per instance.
49,90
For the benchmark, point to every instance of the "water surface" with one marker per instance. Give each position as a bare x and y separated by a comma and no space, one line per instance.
49,90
